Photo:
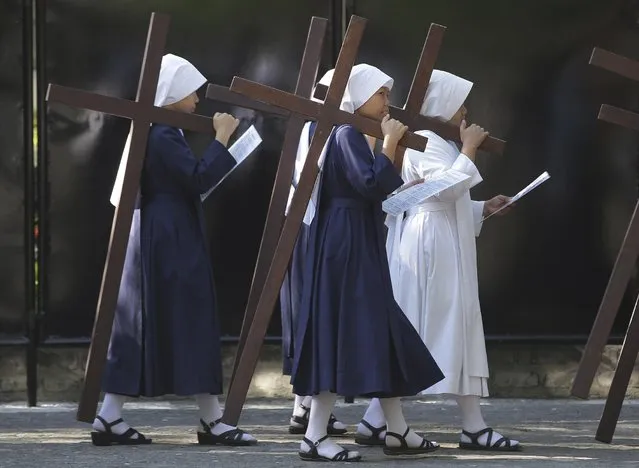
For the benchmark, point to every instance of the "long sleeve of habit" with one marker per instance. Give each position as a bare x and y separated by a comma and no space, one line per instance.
465,165
436,160
478,214
373,176
195,175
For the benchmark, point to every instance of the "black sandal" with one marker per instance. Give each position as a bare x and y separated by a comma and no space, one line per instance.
373,439
504,444
303,424
108,437
425,447
232,437
313,454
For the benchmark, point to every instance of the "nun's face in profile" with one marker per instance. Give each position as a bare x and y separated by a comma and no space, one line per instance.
377,105
186,105
459,116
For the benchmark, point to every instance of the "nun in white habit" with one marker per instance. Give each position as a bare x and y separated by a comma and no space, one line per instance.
352,338
165,338
433,263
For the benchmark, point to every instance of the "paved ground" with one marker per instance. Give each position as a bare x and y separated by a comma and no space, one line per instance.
556,433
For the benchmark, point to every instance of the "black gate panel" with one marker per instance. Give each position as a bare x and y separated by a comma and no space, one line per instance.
12,171
543,269
98,46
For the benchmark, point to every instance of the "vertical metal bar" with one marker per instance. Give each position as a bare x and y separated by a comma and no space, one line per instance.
41,175
29,202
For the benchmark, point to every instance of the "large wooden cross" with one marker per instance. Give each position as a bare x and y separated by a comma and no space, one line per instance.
327,115
279,196
409,115
621,274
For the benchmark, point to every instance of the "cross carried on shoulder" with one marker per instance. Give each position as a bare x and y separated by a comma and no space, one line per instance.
142,113
327,116
621,274
410,115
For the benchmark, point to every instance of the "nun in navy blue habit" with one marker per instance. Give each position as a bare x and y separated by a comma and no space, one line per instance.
166,338
352,337
291,291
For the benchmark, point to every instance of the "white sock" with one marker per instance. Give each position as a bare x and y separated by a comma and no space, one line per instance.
302,405
110,411
210,411
299,405
375,417
473,421
209,407
396,423
307,401
321,408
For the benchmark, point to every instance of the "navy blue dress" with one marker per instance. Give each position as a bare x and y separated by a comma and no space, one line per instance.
291,298
166,337
291,291
352,337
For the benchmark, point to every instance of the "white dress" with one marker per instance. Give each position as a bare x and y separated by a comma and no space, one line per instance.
433,262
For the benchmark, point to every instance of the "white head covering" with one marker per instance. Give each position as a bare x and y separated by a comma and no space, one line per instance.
178,79
446,93
363,82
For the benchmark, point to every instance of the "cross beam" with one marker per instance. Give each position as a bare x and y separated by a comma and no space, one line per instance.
410,113
443,129
327,116
621,274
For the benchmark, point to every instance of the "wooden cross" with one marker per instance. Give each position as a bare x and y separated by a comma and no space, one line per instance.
409,115
143,113
621,274
327,115
275,217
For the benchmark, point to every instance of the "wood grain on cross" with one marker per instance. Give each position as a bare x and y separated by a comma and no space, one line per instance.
621,274
279,196
143,113
410,115
327,116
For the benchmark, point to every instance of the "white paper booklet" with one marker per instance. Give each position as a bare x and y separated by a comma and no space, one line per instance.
240,150
412,196
529,188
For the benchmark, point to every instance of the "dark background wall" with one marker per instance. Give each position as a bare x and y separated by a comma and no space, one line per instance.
543,269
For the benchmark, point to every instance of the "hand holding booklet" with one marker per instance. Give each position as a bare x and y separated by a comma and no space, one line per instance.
240,150
529,188
412,196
